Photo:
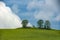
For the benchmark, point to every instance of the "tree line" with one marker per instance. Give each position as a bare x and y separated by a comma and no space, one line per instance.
41,24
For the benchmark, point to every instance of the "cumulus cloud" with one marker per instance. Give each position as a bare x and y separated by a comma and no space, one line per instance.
43,9
7,18
29,25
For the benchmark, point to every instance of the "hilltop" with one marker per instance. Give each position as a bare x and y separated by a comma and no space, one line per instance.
29,34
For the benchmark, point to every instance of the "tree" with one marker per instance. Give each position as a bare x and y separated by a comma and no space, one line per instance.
47,24
34,26
40,23
24,23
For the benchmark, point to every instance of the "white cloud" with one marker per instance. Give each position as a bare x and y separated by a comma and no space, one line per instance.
35,4
7,18
46,9
45,15
29,25
57,18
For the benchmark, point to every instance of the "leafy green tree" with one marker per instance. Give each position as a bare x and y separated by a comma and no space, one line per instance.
24,23
40,23
47,24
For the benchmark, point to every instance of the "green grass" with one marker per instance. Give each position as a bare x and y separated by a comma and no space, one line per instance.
29,34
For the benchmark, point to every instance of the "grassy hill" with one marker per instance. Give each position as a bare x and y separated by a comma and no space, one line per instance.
29,34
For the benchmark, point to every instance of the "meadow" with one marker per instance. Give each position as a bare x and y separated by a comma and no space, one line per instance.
29,34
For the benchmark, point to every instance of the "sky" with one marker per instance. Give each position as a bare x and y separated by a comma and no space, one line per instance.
33,10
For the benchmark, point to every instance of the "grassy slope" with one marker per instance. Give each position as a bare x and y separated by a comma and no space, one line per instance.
29,34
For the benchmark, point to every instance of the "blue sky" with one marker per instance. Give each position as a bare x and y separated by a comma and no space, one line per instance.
33,10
